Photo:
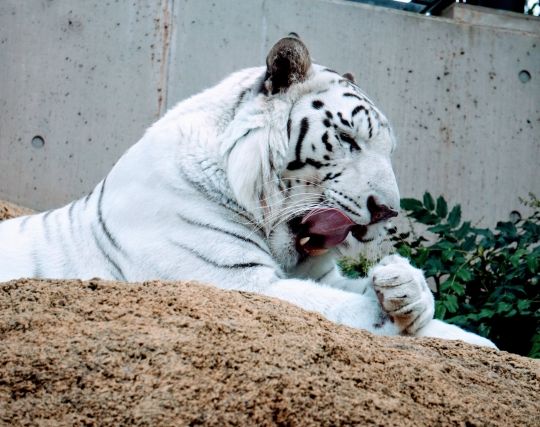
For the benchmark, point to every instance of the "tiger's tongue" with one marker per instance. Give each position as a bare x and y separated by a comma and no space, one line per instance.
329,226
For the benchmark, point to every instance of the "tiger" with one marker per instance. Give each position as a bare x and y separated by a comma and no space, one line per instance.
260,183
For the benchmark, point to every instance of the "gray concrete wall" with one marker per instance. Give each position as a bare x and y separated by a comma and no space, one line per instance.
90,76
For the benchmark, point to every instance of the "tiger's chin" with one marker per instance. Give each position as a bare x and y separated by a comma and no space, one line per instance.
370,247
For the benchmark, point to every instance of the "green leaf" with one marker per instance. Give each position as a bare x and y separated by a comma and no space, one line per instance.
507,229
440,310
411,204
523,305
458,288
463,230
455,216
464,274
428,201
451,303
427,218
485,277
503,307
532,263
440,228
443,244
514,259
469,243
442,207
447,255
485,313
405,251
535,346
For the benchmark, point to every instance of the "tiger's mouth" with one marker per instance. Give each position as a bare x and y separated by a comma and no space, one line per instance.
324,228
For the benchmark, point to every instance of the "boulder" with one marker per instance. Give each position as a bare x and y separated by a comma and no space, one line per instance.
181,353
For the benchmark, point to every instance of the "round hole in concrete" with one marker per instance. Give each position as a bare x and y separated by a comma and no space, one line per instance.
38,142
524,76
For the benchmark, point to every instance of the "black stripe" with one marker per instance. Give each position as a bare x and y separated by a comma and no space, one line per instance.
105,231
46,227
295,165
119,273
225,202
101,221
38,272
298,163
345,207
370,127
304,127
357,109
330,176
325,274
216,264
70,217
328,146
349,140
62,242
24,221
353,95
343,121
88,196
315,163
350,199
230,233
289,128
239,101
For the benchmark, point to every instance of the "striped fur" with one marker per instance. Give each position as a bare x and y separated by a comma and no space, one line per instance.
212,190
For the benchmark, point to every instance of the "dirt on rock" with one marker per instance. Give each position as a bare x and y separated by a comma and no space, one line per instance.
11,210
180,353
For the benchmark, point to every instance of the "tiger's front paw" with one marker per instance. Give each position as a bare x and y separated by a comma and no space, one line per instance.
403,293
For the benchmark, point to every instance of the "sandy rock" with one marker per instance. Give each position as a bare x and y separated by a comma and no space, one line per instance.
155,353
10,210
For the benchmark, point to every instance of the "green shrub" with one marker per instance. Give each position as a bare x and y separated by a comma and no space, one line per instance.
486,280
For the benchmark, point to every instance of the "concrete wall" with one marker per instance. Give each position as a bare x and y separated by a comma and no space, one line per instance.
90,76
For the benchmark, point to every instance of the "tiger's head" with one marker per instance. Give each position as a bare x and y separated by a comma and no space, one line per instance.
311,159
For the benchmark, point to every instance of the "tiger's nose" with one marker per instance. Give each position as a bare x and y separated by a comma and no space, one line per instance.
379,212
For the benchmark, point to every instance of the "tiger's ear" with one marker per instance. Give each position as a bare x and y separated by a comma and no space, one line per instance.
350,77
287,62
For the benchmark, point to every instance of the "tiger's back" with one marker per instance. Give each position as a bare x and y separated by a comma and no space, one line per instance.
123,229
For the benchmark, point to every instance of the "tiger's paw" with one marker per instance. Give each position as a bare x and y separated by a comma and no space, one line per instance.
403,293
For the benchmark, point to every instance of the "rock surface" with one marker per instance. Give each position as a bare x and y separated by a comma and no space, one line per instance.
10,210
109,353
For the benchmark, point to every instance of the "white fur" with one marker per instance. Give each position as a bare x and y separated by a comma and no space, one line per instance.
216,161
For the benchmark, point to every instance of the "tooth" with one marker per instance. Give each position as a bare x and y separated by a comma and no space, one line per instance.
304,240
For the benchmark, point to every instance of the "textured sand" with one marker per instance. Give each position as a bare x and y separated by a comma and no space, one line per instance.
10,210
109,353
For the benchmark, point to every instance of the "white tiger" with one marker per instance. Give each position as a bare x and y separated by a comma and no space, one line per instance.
257,184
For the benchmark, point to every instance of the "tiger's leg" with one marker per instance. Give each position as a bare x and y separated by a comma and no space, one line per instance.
405,297
339,306
395,285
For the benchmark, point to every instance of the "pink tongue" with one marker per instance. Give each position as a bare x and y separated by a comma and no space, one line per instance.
328,223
